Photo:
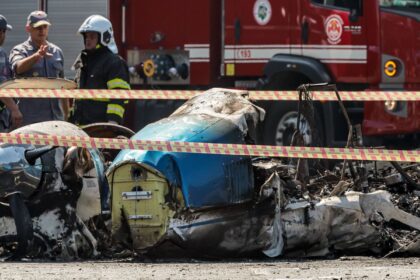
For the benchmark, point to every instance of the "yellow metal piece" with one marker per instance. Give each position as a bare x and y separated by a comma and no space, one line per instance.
149,68
390,68
148,216
230,69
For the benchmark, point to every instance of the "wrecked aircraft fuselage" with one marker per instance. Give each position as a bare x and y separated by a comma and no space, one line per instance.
175,196
223,205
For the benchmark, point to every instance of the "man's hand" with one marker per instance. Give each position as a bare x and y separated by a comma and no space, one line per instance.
26,63
43,52
15,114
16,118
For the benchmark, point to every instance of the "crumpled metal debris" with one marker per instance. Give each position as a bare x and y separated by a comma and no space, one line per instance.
318,223
44,215
327,214
225,104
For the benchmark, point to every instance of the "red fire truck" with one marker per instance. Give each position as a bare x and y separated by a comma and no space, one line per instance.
277,44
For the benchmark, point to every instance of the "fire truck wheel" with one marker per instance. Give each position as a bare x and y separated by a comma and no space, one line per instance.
281,124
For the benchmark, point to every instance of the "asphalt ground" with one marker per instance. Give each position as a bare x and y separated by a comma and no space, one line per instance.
278,269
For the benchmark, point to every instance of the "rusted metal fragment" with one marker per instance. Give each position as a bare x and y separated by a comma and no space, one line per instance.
107,130
39,83
340,188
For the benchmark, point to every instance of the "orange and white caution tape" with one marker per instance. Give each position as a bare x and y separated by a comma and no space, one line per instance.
187,94
210,148
98,93
344,95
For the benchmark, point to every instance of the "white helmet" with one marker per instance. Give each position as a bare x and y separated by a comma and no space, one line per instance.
100,24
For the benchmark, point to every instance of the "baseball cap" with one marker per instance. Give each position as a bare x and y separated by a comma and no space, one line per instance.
3,24
38,18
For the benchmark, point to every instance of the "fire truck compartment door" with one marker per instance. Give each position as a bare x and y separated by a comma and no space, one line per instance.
254,31
329,34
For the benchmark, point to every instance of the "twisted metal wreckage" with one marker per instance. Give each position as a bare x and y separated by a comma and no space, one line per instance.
196,204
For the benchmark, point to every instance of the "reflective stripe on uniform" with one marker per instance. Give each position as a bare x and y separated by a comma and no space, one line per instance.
117,83
115,109
104,100
99,99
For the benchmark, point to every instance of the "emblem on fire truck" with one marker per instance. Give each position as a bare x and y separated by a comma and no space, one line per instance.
262,11
334,28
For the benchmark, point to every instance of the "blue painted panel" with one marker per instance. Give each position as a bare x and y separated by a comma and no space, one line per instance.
206,180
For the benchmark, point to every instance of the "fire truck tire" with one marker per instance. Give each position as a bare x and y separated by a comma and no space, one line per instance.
281,117
281,124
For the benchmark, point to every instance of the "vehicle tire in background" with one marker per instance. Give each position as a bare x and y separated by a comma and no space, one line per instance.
281,124
281,116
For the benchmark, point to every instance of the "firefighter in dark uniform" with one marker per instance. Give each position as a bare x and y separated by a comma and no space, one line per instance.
99,67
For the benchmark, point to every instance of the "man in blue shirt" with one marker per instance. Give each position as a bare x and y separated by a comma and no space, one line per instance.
9,111
36,57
